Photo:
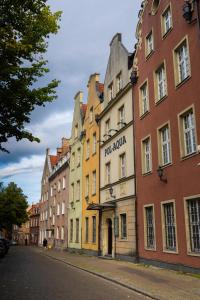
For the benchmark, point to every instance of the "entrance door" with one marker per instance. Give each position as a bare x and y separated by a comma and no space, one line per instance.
109,237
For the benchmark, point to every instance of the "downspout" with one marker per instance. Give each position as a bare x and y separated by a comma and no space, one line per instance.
198,15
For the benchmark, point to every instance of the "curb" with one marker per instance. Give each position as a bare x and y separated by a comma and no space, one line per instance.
104,277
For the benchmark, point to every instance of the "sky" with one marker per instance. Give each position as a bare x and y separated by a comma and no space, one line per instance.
80,49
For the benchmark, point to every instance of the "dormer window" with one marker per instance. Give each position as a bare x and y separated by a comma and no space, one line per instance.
119,82
110,92
91,114
76,131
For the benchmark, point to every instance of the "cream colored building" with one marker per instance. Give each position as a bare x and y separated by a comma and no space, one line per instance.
117,172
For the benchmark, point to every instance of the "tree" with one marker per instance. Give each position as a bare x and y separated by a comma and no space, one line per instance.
13,205
25,26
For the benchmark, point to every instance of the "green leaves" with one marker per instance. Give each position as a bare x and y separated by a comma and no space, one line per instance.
13,206
25,26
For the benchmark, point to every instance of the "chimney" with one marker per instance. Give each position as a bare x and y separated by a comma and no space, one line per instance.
65,144
94,76
47,151
79,96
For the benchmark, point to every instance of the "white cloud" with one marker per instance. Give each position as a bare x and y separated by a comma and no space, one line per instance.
25,166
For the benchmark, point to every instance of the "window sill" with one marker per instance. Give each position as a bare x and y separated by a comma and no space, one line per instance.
149,55
150,249
94,153
189,156
167,33
144,115
157,102
147,173
78,165
170,251
193,254
94,194
87,158
178,85
166,165
123,240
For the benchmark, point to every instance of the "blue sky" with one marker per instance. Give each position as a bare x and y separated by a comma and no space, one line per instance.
79,49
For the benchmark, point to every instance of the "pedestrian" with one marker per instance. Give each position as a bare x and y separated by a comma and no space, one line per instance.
45,243
26,242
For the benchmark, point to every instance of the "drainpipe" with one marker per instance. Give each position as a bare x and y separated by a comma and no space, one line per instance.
198,15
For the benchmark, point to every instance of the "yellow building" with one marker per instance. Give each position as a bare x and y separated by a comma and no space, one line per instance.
90,189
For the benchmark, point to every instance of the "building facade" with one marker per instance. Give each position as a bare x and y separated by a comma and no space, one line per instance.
117,172
34,219
75,178
59,197
167,134
50,161
90,178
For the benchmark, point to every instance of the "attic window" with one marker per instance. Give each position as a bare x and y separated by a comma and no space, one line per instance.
155,5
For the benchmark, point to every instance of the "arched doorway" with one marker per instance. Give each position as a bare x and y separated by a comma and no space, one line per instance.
109,222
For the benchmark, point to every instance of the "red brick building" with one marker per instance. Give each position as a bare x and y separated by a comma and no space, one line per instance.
166,96
34,218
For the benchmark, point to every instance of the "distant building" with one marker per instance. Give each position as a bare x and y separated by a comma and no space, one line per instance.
90,172
75,181
21,234
167,133
34,219
59,198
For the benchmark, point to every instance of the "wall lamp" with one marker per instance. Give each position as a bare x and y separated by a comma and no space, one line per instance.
123,123
116,130
111,192
188,11
161,175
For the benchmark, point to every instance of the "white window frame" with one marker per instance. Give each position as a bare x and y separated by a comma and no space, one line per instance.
78,190
94,144
149,44
149,228
166,20
108,172
146,155
161,82
121,116
87,186
144,98
88,149
63,208
64,182
122,165
164,145
94,180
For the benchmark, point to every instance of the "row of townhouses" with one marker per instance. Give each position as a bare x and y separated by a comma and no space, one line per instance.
126,184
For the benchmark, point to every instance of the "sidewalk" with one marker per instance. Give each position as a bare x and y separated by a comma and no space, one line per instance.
155,282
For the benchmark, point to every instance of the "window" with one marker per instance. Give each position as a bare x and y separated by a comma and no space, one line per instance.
72,188
93,182
182,63
91,114
149,228
77,230
78,190
169,226
108,173
54,200
76,131
164,145
58,209
110,92
53,219
146,155
119,82
86,229
122,159
51,193
107,128
123,226
188,133
144,99
63,208
121,113
94,145
155,6
149,44
78,157
62,233
71,230
166,21
59,184
73,161
193,210
87,186
47,195
50,212
160,83
57,232
94,225
87,149
64,182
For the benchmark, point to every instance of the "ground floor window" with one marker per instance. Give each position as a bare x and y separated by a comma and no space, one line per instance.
77,230
149,227
193,210
71,230
123,226
94,229
169,226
